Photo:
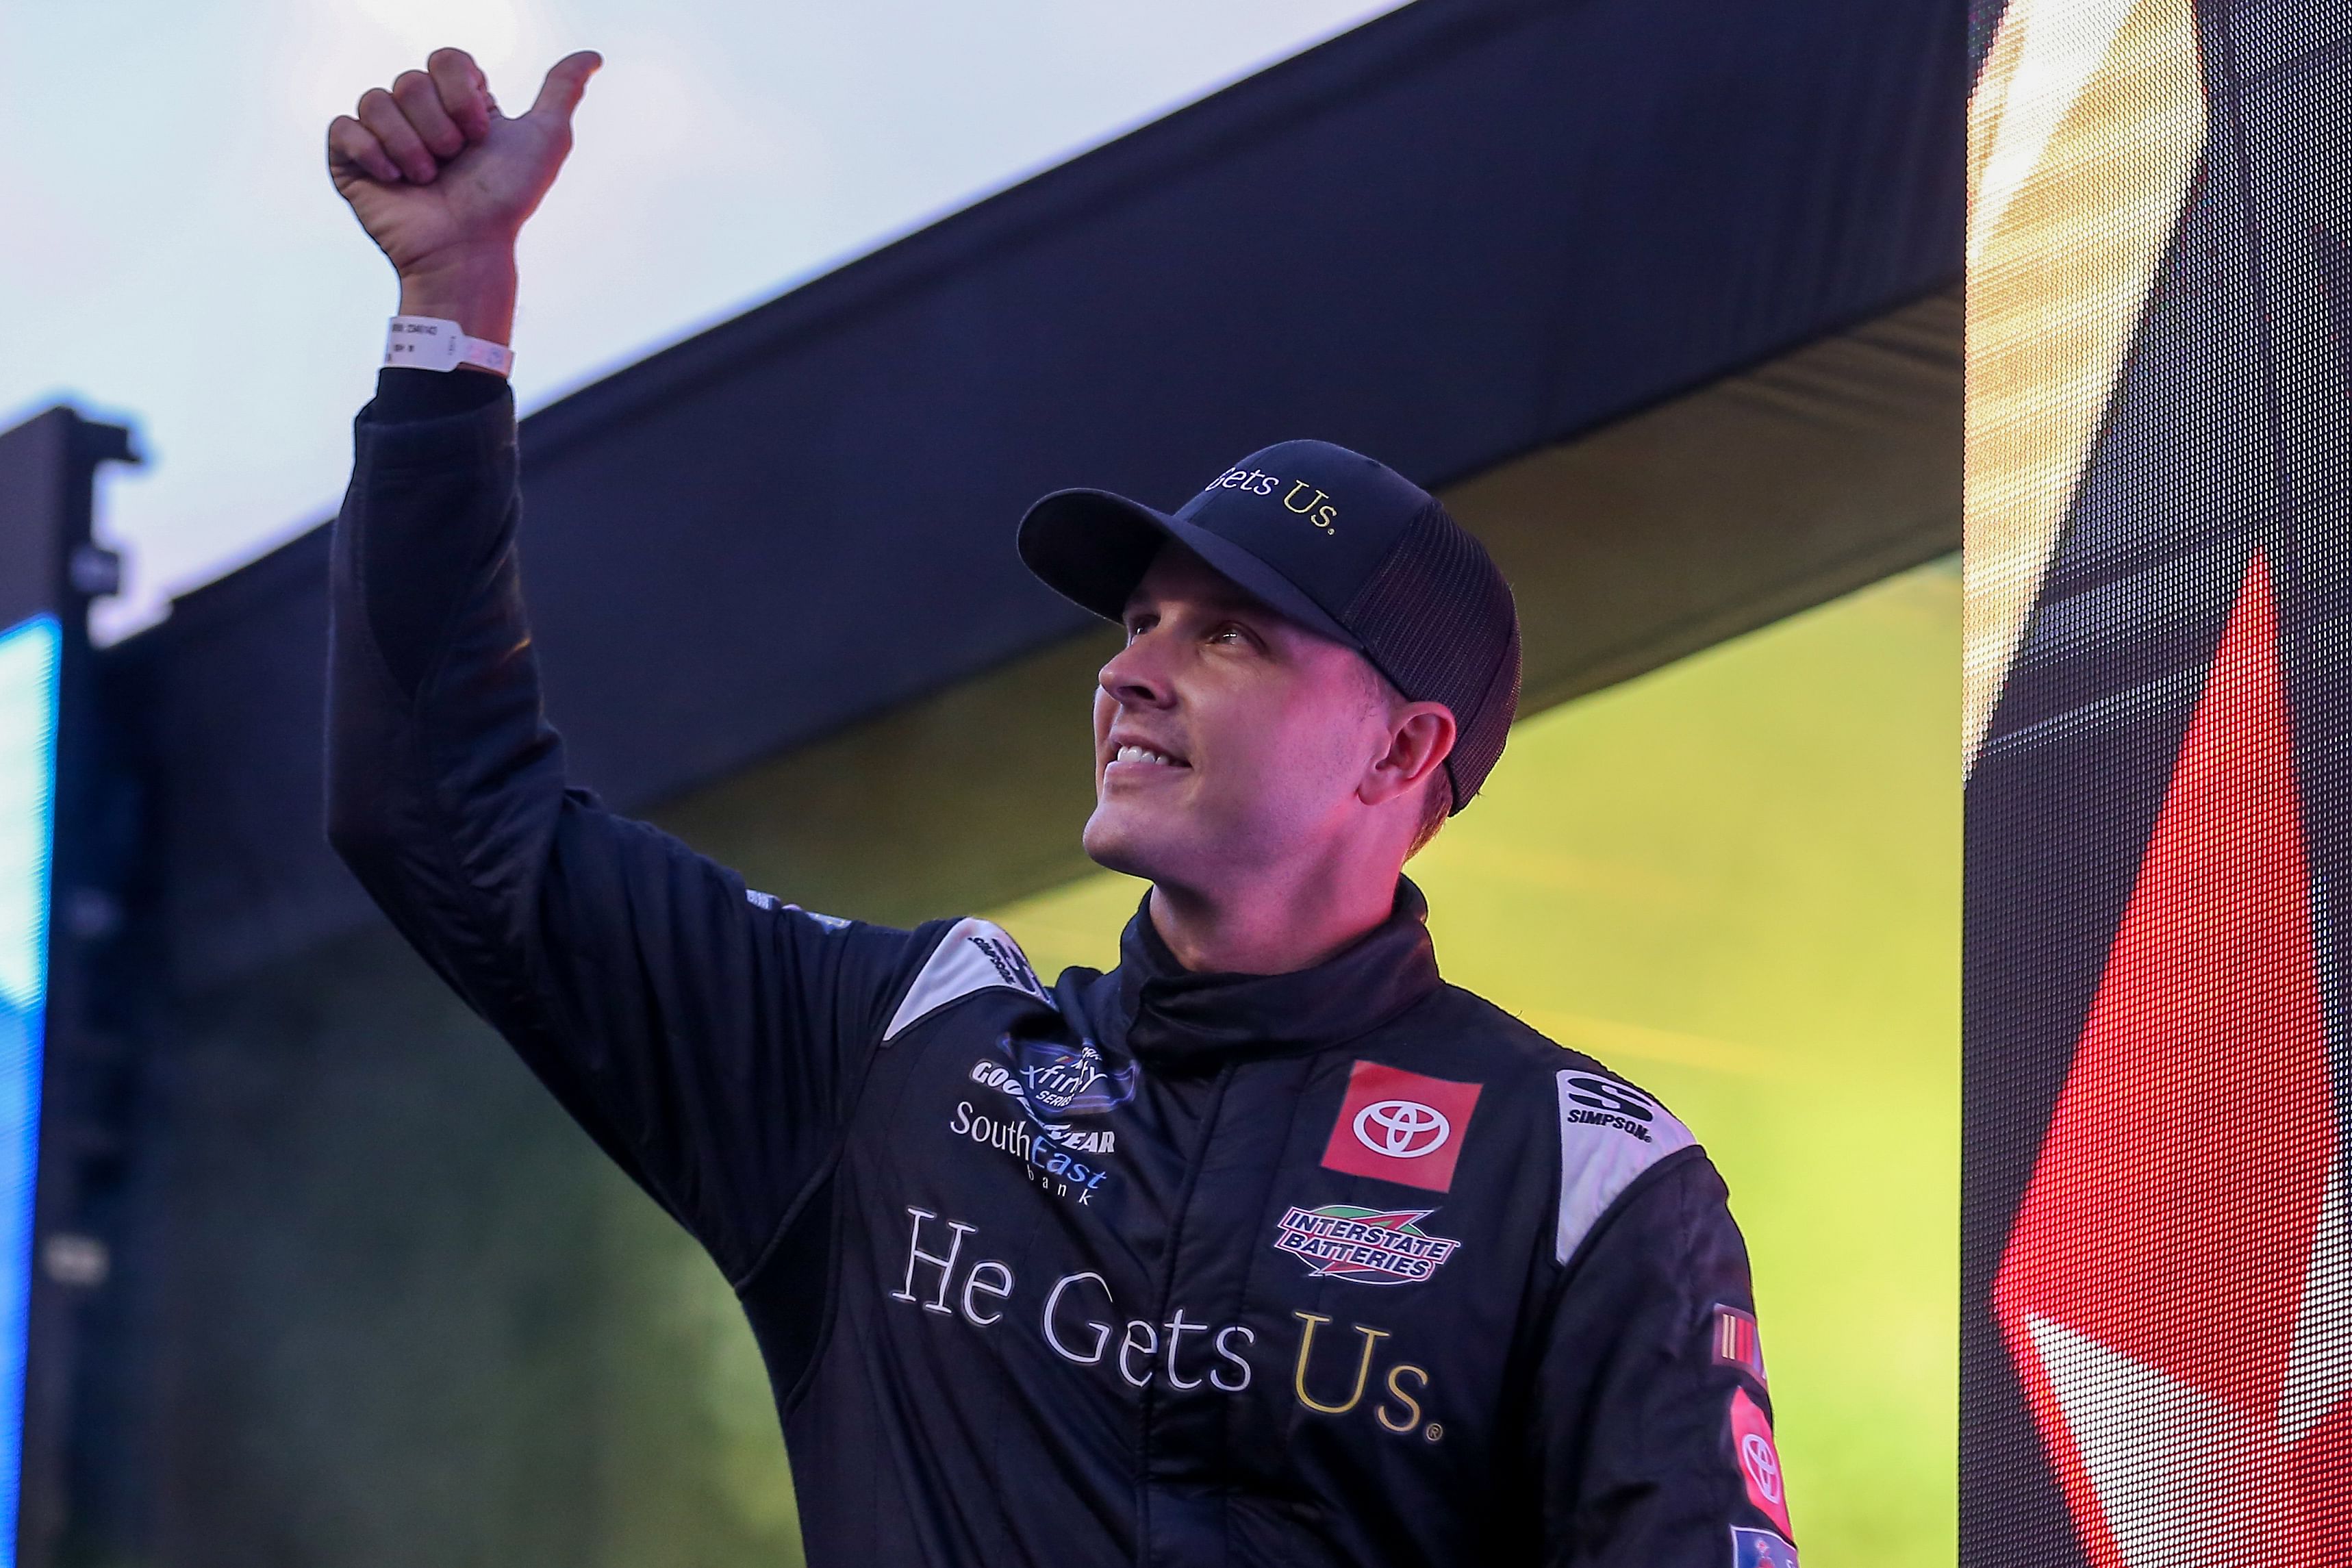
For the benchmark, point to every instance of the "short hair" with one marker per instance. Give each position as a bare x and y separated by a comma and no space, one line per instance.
1436,806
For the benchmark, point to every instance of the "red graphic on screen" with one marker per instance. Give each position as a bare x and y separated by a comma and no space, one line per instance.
1400,1127
2177,1294
1759,1459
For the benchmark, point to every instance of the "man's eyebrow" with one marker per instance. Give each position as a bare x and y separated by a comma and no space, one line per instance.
1230,598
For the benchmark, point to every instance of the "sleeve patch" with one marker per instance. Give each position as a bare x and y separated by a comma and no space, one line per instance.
1759,1459
975,955
1760,1548
1737,1344
1609,1132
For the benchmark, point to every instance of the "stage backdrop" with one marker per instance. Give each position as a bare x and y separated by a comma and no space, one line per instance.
2157,1305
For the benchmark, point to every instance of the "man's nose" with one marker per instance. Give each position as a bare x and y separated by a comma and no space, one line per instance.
1134,676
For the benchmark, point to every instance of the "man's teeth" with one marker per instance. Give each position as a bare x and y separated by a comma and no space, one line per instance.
1137,754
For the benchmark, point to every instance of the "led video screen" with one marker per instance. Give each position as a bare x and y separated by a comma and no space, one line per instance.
29,710
2156,1294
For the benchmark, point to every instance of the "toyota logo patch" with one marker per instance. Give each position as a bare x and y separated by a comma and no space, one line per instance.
1402,1129
1759,1459
1400,1126
1763,1465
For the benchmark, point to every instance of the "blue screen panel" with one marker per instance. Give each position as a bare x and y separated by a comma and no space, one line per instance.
28,724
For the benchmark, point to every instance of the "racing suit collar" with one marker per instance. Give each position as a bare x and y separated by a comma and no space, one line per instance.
1177,1016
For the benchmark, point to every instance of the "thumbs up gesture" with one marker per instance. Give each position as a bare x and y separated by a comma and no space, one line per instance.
442,181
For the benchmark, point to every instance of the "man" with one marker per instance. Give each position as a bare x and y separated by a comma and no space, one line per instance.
1266,1248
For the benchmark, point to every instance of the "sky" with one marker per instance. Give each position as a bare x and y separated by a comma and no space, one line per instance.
172,256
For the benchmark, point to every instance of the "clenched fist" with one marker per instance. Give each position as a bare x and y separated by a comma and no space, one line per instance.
442,181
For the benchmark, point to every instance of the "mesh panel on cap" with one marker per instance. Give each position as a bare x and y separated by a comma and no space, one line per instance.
1479,745
1438,621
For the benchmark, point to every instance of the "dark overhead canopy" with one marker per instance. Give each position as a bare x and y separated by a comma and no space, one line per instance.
1467,231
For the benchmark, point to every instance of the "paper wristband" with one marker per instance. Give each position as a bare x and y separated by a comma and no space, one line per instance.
427,343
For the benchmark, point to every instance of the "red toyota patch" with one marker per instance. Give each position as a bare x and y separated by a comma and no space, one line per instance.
1759,1460
1400,1127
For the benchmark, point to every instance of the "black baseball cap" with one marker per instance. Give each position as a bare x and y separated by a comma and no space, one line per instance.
1345,547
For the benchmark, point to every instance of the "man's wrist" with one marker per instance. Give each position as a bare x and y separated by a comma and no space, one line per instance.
476,291
435,343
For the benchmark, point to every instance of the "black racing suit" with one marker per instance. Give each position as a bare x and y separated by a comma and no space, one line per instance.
1344,1266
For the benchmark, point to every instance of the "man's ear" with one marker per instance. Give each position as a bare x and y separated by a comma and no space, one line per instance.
1420,737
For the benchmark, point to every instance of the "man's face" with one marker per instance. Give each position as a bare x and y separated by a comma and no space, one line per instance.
1228,740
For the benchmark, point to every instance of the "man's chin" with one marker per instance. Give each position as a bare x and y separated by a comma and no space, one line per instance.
1116,841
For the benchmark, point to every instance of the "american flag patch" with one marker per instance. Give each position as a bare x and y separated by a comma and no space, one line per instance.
1737,1345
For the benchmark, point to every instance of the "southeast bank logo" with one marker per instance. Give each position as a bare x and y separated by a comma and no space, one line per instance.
1371,1247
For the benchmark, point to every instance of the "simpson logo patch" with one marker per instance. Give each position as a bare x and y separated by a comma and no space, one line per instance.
1371,1246
1588,1100
1737,1343
1609,1132
1400,1127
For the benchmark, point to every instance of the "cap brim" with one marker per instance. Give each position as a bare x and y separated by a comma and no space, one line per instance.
1093,547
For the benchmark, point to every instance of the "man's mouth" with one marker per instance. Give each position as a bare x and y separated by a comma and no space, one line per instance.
1149,757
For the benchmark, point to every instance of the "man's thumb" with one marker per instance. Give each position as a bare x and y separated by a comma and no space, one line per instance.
558,95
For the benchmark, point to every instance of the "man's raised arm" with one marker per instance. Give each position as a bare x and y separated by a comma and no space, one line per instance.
710,1042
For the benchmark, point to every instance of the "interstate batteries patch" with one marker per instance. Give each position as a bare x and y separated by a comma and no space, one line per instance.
1371,1247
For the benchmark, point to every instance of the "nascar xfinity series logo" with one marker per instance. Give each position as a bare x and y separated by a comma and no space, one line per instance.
1059,1081
1371,1246
1049,1082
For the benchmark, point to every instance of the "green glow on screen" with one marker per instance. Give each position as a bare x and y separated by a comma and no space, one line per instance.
1737,881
